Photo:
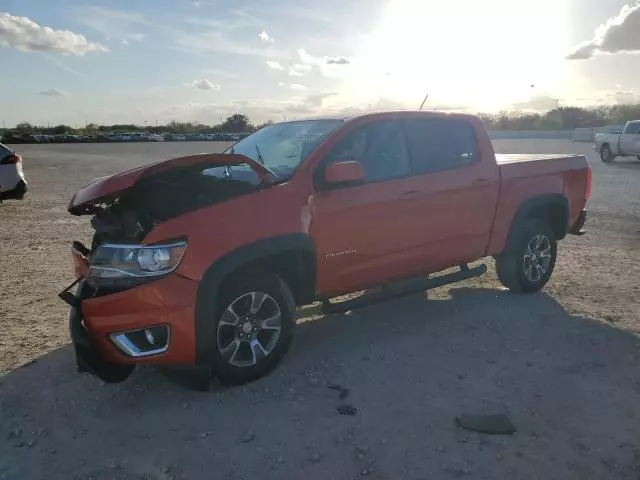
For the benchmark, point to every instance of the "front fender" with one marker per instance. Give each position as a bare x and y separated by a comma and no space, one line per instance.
209,287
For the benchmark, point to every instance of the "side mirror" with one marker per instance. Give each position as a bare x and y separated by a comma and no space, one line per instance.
344,172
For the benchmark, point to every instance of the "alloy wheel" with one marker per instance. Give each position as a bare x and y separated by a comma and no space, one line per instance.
537,258
249,329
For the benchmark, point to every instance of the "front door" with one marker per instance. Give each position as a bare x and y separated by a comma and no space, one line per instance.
362,231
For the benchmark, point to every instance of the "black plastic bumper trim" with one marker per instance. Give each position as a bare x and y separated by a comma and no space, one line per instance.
578,227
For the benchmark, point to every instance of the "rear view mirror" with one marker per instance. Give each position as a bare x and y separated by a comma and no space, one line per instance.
344,172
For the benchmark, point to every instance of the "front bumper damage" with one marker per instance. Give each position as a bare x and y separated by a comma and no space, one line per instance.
112,332
87,353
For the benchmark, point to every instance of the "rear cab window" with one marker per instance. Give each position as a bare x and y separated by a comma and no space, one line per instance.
440,144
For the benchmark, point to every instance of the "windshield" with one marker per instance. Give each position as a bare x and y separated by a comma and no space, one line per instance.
284,146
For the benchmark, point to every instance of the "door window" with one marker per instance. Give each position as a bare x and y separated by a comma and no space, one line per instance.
633,128
440,144
380,147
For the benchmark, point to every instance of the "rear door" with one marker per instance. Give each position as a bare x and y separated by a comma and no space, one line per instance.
362,231
630,139
456,192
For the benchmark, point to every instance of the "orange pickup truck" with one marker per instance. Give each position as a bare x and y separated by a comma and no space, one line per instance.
202,260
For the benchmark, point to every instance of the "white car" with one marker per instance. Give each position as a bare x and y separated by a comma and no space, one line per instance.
612,145
154,137
13,185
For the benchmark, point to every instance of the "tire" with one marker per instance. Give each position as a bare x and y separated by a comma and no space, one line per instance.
605,154
237,358
516,267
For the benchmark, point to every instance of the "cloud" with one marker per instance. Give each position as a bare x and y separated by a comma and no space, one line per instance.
317,99
204,84
619,34
52,92
292,86
26,35
275,65
538,103
265,37
221,41
299,69
338,61
113,24
328,66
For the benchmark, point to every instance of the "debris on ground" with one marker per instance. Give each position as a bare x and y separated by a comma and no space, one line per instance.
344,392
346,409
497,424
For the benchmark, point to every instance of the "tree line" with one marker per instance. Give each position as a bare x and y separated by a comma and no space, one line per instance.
562,118
237,123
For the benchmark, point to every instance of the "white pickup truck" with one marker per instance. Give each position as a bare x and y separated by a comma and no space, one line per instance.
612,145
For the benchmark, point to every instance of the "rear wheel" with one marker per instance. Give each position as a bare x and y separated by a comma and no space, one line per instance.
527,264
254,327
605,154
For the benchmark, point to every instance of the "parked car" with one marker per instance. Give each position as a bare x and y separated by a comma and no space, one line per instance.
154,137
119,137
203,259
178,137
612,145
13,185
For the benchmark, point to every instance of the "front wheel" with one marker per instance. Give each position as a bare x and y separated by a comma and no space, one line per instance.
527,264
606,155
254,327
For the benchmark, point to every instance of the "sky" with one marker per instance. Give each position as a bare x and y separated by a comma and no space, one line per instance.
154,61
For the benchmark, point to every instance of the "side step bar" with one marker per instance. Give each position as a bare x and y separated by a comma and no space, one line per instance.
417,285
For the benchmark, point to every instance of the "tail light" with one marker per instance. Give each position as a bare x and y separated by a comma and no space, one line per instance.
11,160
587,192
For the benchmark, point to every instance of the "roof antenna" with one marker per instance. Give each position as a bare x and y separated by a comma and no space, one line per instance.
423,101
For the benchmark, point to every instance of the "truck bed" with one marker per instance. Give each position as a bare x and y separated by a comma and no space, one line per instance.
524,166
530,175
503,159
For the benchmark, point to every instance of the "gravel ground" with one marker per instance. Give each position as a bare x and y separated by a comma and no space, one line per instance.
563,364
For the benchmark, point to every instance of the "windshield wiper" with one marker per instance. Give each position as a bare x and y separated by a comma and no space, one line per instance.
260,159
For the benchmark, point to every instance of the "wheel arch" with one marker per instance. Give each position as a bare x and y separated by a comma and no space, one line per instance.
290,256
553,208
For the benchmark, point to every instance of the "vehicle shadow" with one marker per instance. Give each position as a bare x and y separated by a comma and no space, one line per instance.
628,163
570,385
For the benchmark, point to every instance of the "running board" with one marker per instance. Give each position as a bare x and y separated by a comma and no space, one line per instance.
417,285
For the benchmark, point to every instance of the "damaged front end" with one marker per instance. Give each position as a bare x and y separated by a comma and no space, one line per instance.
125,208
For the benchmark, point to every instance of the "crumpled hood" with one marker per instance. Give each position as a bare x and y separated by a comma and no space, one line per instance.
108,187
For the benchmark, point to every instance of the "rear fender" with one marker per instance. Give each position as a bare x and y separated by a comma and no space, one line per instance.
527,210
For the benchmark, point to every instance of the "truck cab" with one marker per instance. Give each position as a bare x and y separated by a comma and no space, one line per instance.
626,143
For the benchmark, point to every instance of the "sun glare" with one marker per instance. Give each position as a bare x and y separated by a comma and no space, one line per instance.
465,54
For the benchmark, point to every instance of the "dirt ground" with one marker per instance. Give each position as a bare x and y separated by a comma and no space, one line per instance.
563,364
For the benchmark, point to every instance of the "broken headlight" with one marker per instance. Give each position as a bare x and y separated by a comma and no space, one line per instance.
115,265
